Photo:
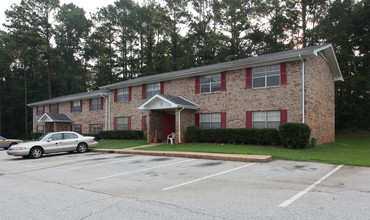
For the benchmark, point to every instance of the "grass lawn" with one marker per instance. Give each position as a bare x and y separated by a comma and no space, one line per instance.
348,150
120,144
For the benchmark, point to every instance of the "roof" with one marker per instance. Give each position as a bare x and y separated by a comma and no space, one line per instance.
52,117
72,97
268,59
160,101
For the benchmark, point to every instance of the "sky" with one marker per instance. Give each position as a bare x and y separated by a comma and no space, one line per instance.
88,5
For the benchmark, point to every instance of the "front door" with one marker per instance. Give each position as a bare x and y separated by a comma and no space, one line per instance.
168,125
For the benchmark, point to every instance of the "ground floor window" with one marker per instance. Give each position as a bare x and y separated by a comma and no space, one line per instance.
77,128
95,128
210,120
122,123
40,128
266,119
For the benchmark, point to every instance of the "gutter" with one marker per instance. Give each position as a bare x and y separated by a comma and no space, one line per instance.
303,89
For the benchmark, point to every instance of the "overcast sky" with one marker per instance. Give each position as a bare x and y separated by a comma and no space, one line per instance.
87,5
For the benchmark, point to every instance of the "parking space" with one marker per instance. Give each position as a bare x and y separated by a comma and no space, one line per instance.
96,185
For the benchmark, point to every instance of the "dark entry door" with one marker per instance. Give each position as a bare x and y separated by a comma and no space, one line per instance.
168,125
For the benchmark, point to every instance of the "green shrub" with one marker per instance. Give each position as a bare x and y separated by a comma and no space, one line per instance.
35,135
234,135
122,134
295,135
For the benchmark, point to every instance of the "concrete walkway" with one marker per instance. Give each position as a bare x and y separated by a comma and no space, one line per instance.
212,156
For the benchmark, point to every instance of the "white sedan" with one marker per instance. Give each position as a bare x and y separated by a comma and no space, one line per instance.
64,141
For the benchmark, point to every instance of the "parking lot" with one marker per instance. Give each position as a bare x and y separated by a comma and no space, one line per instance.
119,186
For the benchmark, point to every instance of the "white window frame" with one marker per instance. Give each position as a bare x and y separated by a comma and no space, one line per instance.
96,104
54,108
268,119
152,89
38,128
212,81
213,119
74,126
122,123
123,95
40,110
266,73
95,128
76,106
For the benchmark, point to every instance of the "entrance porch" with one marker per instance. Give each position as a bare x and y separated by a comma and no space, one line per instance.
56,122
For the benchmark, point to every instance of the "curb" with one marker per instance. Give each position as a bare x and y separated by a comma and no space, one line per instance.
211,156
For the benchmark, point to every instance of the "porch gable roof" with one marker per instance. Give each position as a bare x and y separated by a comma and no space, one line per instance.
52,117
160,101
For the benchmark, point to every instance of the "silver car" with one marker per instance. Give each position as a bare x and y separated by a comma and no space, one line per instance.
65,141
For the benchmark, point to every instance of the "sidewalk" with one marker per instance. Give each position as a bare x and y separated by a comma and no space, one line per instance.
212,156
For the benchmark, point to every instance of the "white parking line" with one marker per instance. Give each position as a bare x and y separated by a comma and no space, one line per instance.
100,164
297,196
121,174
206,177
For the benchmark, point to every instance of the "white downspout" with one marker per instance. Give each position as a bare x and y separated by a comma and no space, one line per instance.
106,112
303,90
180,124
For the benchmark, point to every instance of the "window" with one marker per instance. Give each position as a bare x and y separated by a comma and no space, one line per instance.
212,120
40,110
96,104
40,128
54,108
76,106
95,128
210,83
56,137
266,76
76,128
152,89
69,136
266,119
123,95
122,123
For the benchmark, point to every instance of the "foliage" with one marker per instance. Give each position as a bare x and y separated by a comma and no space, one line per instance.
120,144
35,135
234,135
294,135
121,134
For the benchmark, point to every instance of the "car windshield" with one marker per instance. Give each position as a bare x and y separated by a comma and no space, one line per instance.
41,138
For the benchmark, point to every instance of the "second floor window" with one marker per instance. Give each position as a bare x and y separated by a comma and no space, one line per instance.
54,108
96,104
76,106
123,95
152,89
266,76
210,83
40,110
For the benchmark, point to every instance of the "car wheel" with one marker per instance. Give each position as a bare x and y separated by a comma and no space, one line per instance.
81,148
36,152
6,148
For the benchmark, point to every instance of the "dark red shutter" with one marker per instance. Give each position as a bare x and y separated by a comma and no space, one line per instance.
223,81
37,110
80,129
71,128
197,120
283,116
143,122
90,104
43,129
49,108
162,87
223,119
197,84
114,123
57,108
80,105
101,103
129,122
71,106
90,128
283,76
143,92
43,109
248,78
101,127
248,119
129,94
115,95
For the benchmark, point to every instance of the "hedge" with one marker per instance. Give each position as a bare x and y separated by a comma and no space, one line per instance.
234,135
295,135
122,134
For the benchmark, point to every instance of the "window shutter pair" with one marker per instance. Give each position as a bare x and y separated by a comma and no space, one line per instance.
283,76
249,120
